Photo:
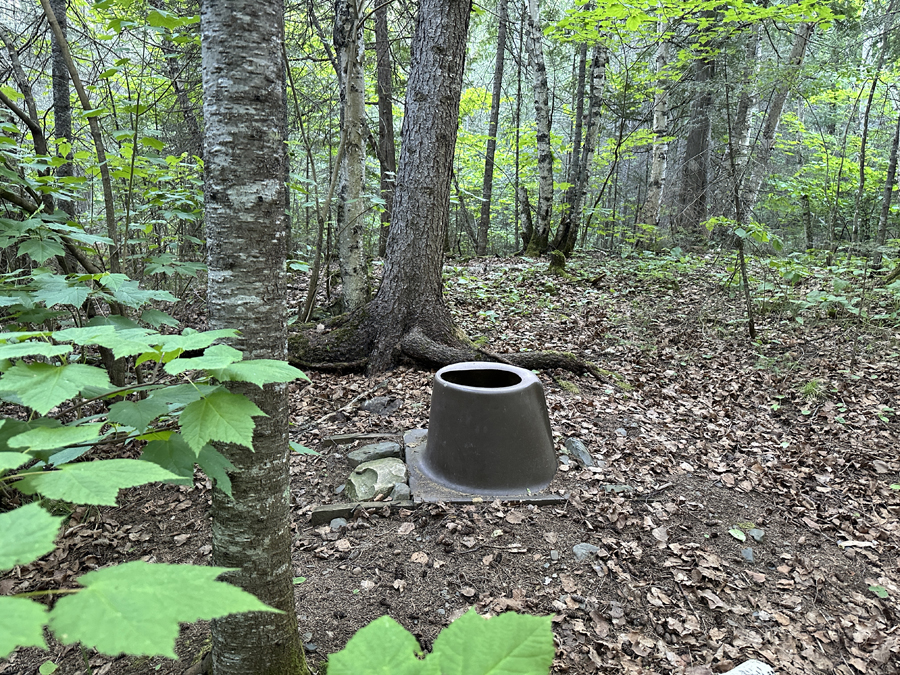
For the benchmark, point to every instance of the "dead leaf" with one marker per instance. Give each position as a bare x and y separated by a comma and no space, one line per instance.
400,585
488,559
568,583
419,557
343,545
405,529
661,534
514,517
714,600
551,538
467,591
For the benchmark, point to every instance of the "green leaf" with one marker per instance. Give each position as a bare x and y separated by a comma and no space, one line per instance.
156,318
215,465
298,580
13,460
259,372
22,624
55,289
136,607
509,644
45,438
302,449
183,394
384,647
42,386
137,414
26,533
880,591
41,249
738,534
190,340
221,416
93,482
215,357
131,294
48,668
32,348
174,455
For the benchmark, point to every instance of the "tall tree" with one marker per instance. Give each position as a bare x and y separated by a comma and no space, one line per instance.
484,221
649,213
387,153
245,195
350,50
540,237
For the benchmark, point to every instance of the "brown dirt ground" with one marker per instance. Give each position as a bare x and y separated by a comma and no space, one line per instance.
713,432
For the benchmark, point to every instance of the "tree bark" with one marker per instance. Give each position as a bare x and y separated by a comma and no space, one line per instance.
247,233
540,237
649,213
350,49
886,199
387,154
694,176
484,221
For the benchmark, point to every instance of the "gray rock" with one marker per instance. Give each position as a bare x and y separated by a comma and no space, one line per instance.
564,460
337,524
747,554
757,534
621,432
554,555
584,551
373,451
382,405
375,478
414,438
616,489
578,452
401,492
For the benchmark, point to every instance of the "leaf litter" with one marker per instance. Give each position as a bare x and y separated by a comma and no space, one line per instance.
714,436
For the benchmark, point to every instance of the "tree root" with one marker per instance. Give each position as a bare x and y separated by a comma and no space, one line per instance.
422,349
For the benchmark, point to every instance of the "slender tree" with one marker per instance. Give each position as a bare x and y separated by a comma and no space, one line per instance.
387,153
245,154
484,221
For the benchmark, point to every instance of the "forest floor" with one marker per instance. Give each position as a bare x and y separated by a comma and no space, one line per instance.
793,435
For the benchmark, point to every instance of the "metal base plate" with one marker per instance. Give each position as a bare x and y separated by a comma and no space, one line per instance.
425,489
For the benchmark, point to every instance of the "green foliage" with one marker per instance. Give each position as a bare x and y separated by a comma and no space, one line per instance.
509,644
136,607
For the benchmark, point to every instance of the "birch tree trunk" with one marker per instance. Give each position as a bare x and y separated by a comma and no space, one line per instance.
484,221
350,49
540,237
387,154
246,233
649,214
572,174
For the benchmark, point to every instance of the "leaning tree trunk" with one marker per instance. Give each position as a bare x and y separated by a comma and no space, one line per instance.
246,233
387,154
539,239
350,49
484,221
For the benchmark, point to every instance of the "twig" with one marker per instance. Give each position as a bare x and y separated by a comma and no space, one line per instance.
314,423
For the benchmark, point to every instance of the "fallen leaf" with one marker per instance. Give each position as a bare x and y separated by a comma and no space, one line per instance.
514,517
343,545
419,557
661,534
568,583
405,529
551,537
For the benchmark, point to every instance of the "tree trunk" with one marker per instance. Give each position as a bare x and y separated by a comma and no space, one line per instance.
694,176
756,170
572,175
411,292
649,214
62,105
350,49
566,239
540,237
387,154
484,222
887,198
245,215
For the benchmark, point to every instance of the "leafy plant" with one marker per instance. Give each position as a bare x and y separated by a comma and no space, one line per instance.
134,607
513,644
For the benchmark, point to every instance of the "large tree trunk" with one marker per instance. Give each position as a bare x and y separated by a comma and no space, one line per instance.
411,292
886,199
387,154
539,240
350,49
484,222
695,172
570,196
245,217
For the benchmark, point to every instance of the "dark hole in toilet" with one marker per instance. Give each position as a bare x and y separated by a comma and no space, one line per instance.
485,379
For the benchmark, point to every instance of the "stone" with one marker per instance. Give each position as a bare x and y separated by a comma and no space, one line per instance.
554,555
579,453
414,438
401,492
752,667
337,523
757,534
328,512
371,479
382,405
584,551
747,554
373,451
